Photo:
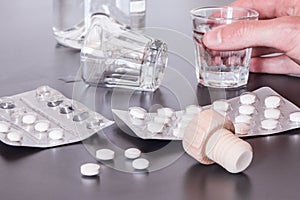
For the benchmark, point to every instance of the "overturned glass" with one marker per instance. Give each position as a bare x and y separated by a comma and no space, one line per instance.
115,56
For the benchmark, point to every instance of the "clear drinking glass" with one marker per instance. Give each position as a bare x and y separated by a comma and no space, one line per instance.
221,69
72,18
115,56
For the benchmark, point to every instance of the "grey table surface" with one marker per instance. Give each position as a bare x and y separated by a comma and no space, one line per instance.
30,57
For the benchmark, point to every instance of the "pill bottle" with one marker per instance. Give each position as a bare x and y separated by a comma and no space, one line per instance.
72,18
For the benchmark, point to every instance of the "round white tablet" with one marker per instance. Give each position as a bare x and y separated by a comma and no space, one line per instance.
29,118
295,117
162,119
132,153
220,105
272,101
140,164
154,127
272,113
167,112
193,109
56,134
137,112
241,128
14,136
178,132
247,99
105,154
90,169
246,109
42,126
243,119
4,127
269,124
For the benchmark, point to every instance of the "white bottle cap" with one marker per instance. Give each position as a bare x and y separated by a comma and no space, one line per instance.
89,169
229,151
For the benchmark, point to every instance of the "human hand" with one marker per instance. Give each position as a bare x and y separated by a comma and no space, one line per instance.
277,31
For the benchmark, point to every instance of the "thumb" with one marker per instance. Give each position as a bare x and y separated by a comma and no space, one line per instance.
280,33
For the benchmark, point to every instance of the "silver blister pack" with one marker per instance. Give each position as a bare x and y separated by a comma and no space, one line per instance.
261,112
46,118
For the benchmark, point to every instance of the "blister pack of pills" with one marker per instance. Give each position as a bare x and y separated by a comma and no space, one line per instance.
261,112
46,118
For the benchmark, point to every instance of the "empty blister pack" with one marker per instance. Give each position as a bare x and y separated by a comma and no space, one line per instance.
45,118
261,112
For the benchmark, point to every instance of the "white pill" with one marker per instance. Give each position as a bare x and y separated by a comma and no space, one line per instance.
168,112
295,117
241,128
154,127
132,153
247,99
272,113
56,134
137,112
193,109
140,164
105,154
14,136
162,119
243,119
4,127
29,119
178,132
42,126
90,169
246,109
220,105
272,101
269,124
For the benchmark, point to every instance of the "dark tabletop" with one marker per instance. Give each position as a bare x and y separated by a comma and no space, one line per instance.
30,58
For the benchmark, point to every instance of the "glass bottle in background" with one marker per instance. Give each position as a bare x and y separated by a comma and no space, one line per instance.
72,18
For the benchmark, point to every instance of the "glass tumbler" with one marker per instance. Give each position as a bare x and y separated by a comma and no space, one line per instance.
220,69
115,56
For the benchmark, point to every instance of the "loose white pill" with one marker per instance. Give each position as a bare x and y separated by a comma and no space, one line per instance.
4,127
243,119
220,105
90,169
105,154
140,164
132,153
42,126
154,127
162,119
193,109
241,128
14,136
295,117
272,101
178,132
246,109
29,119
247,99
272,113
269,124
56,134
137,112
168,112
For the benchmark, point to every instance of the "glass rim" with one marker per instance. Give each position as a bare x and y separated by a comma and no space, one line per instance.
253,14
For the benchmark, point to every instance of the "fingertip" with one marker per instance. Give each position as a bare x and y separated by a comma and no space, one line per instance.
212,38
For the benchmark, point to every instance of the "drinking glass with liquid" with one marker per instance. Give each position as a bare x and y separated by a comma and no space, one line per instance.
115,56
72,18
220,69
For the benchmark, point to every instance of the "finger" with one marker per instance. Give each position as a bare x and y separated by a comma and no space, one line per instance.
270,8
281,33
262,51
274,65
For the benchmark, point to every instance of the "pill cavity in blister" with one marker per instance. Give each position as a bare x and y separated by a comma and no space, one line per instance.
221,106
246,119
246,110
137,112
165,112
242,128
42,118
154,127
248,98
272,101
295,117
272,113
193,109
269,124
162,120
7,103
